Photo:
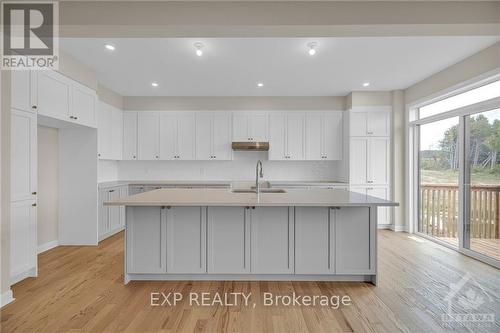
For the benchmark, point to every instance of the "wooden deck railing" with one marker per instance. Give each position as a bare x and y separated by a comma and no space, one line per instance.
439,210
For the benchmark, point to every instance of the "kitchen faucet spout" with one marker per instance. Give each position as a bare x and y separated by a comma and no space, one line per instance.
257,174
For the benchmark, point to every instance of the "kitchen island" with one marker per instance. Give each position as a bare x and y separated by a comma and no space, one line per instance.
220,234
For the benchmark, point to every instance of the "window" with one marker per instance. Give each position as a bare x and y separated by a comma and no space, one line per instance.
476,95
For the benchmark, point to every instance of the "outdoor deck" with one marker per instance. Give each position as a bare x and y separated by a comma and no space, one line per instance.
439,216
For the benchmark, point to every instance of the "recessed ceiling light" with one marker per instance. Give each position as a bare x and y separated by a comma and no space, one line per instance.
366,84
154,84
260,84
312,48
110,47
199,46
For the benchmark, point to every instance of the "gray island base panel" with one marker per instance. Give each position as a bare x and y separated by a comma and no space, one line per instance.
234,236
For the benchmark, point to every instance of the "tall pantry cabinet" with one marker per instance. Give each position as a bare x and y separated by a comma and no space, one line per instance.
23,159
370,155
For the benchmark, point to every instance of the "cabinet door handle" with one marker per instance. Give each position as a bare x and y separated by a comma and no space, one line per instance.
33,193
34,107
133,156
111,191
33,205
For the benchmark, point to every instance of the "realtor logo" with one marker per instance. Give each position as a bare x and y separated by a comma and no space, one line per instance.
30,35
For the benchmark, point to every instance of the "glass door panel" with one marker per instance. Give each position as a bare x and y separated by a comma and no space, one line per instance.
482,183
438,172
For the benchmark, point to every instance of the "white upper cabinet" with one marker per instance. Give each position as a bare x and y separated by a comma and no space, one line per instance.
117,133
213,136
53,95
332,135
168,136
323,139
129,135
22,91
23,155
109,132
286,136
83,105
221,136
57,96
148,135
104,131
250,126
314,136
295,135
372,121
204,136
378,123
186,136
277,136
177,136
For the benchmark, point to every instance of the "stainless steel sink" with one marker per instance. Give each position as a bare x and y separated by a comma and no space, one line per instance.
242,190
272,190
263,190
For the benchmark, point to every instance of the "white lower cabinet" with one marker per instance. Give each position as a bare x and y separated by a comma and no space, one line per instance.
146,240
313,241
352,234
272,246
111,218
243,240
23,240
186,240
228,240
333,240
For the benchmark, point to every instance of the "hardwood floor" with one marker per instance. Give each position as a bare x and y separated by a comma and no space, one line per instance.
80,289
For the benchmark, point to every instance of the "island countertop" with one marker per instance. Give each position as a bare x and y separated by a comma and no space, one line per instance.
224,197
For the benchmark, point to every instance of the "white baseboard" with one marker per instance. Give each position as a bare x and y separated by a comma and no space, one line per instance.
110,233
47,246
384,226
19,276
6,298
399,228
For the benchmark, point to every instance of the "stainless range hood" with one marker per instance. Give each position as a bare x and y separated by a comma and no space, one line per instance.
250,146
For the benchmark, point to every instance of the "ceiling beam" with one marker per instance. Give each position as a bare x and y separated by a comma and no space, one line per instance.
277,19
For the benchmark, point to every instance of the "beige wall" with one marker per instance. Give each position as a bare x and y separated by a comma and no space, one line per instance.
369,98
109,96
48,184
5,183
233,103
74,69
399,160
481,63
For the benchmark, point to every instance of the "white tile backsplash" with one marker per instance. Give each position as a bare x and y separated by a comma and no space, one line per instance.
242,167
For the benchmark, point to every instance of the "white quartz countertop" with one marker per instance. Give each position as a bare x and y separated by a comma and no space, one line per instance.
223,197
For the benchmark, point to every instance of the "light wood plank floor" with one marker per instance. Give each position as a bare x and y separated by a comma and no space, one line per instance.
80,289
486,246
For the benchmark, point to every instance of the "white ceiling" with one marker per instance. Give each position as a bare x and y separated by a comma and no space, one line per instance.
232,67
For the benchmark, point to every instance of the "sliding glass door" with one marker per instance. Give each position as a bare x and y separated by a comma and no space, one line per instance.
482,184
438,161
457,172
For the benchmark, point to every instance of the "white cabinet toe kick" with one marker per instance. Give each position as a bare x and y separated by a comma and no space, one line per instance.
251,243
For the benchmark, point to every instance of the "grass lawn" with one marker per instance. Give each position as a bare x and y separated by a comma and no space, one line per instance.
451,177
